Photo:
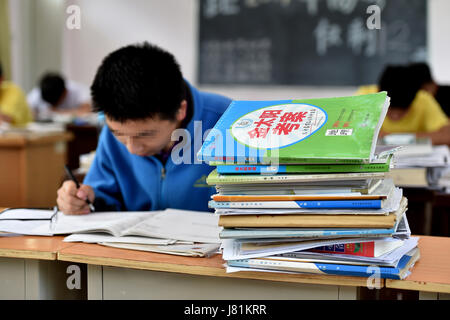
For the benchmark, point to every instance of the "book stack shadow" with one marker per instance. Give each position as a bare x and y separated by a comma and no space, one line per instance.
322,203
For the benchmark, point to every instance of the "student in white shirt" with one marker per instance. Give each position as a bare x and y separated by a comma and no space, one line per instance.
55,95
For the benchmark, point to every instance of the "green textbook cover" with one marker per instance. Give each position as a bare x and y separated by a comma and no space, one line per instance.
325,130
215,178
305,168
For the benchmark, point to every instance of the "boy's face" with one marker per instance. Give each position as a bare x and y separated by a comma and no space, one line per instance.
146,137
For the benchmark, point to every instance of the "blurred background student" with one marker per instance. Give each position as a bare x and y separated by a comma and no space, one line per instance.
422,74
13,104
56,95
412,109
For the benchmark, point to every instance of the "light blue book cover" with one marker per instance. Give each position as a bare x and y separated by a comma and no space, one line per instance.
310,204
397,273
260,233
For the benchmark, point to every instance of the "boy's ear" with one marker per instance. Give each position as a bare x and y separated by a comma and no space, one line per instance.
181,113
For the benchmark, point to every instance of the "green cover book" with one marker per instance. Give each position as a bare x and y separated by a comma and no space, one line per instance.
325,130
216,178
305,168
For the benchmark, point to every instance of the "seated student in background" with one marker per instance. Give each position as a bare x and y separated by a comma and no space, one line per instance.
13,104
142,93
411,110
55,95
422,73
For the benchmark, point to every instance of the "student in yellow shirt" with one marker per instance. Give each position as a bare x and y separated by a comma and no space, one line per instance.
13,104
411,110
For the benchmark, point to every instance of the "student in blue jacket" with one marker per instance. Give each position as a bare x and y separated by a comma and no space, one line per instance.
155,124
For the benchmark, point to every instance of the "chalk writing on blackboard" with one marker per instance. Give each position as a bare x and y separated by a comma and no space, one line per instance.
310,42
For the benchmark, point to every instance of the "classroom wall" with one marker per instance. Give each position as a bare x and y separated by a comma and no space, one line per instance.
37,35
109,24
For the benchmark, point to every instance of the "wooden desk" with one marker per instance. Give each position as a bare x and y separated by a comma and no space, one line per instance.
29,270
123,274
432,272
27,164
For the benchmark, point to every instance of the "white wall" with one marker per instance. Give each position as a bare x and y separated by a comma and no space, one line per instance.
439,39
36,38
109,24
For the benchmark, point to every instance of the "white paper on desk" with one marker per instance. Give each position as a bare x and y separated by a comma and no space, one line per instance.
113,223
96,238
438,157
232,249
26,214
184,225
27,227
195,250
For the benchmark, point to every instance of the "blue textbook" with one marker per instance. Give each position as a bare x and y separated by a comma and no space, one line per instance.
291,265
310,204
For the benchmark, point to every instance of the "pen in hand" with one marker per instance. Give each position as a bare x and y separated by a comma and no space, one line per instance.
72,177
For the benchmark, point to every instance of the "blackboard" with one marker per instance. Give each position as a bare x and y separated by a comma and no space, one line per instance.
307,42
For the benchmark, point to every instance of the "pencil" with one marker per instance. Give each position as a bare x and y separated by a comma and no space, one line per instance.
72,177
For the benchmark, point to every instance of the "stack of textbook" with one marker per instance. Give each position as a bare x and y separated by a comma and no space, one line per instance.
301,187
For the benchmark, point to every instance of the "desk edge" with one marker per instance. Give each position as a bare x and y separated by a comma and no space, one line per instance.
216,272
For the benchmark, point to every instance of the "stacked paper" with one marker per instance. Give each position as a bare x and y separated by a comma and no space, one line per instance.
315,200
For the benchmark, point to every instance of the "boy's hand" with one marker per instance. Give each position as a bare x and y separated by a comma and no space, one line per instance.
72,200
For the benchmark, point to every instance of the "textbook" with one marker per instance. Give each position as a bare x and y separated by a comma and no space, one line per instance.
391,258
367,249
309,221
367,186
214,178
305,168
325,130
314,220
272,263
394,202
283,233
310,204
384,189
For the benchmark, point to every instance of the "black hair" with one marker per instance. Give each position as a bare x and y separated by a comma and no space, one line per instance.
1,70
138,82
421,72
52,87
400,85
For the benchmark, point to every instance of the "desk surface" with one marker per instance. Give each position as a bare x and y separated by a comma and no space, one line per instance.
432,271
21,140
32,247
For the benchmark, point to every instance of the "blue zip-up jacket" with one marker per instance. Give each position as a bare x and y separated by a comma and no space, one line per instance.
127,182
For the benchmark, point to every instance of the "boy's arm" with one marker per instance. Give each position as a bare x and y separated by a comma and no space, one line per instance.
102,179
441,136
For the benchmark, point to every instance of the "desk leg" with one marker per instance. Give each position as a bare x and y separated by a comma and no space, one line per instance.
428,218
433,296
12,280
47,280
347,293
95,282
